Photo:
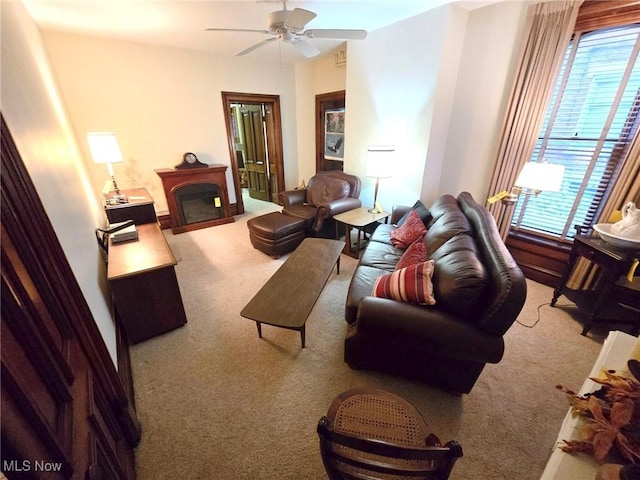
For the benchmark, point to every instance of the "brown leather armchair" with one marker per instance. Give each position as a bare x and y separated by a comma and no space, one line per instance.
326,195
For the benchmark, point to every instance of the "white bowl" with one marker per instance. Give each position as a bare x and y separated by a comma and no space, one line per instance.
604,230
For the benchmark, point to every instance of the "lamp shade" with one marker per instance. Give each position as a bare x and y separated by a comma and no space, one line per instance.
545,177
380,160
104,147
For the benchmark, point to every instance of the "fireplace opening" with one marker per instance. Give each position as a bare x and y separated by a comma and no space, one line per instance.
199,202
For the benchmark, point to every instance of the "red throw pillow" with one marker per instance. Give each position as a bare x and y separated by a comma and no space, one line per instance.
411,284
416,253
409,232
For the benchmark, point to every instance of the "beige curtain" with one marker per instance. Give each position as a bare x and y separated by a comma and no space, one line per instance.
551,27
627,186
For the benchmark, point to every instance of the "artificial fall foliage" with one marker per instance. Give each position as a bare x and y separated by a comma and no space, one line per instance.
612,428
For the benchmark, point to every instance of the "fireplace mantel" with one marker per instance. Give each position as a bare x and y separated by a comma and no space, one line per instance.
174,179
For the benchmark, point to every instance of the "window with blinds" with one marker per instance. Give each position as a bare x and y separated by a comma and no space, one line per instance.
589,125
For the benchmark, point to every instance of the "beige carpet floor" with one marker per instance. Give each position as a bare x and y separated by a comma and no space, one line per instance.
217,402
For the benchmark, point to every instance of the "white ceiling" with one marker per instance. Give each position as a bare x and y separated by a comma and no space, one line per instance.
182,23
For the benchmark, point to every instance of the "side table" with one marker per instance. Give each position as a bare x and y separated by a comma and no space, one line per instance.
360,219
138,207
598,302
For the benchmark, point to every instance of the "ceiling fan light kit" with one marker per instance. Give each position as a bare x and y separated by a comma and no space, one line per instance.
287,26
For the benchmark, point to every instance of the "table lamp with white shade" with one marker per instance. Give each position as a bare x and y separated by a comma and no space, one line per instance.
105,149
535,177
379,165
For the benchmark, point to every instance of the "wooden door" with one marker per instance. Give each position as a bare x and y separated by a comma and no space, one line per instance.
66,412
274,148
254,150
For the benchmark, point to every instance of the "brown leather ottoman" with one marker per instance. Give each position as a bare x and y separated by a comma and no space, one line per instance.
276,233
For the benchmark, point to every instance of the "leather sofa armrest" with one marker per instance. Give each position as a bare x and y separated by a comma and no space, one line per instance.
397,212
429,327
293,197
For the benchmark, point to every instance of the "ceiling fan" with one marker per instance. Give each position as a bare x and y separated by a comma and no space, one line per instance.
287,26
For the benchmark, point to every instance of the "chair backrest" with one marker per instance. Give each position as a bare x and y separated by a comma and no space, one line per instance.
349,457
353,180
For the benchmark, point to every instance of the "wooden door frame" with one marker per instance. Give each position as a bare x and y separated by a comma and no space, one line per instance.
324,102
228,98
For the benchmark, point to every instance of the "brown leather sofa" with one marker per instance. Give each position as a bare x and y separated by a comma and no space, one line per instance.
479,291
326,195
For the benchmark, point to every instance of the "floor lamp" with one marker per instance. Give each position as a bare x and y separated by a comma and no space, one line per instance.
379,165
535,177
105,149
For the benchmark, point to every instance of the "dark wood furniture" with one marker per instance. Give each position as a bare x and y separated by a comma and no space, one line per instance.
288,297
64,404
144,286
363,221
139,208
173,179
599,303
374,434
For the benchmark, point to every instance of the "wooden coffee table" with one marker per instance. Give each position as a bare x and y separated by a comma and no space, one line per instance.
288,297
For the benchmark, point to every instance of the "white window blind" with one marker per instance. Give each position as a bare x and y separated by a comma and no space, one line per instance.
589,125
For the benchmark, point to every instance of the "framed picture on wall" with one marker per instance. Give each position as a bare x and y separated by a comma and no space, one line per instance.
334,134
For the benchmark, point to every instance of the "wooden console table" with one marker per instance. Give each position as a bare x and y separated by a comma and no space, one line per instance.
144,286
614,262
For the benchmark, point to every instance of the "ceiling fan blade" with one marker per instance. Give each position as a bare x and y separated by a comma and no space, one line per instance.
304,47
336,33
235,30
256,46
298,18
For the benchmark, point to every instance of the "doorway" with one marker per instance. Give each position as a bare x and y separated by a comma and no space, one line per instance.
254,132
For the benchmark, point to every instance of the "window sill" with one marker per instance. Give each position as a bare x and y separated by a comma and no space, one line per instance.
541,259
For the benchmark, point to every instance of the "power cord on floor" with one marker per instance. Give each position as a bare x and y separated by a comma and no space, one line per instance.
538,310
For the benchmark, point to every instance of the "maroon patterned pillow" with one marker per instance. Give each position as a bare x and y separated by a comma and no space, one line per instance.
416,253
411,284
409,232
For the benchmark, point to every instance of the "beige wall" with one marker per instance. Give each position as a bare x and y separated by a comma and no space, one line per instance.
392,85
36,115
434,87
492,41
161,102
320,76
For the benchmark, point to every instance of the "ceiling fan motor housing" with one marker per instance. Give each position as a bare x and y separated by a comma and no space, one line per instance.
277,20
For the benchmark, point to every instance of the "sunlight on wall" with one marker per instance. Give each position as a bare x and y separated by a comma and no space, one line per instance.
66,145
395,75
